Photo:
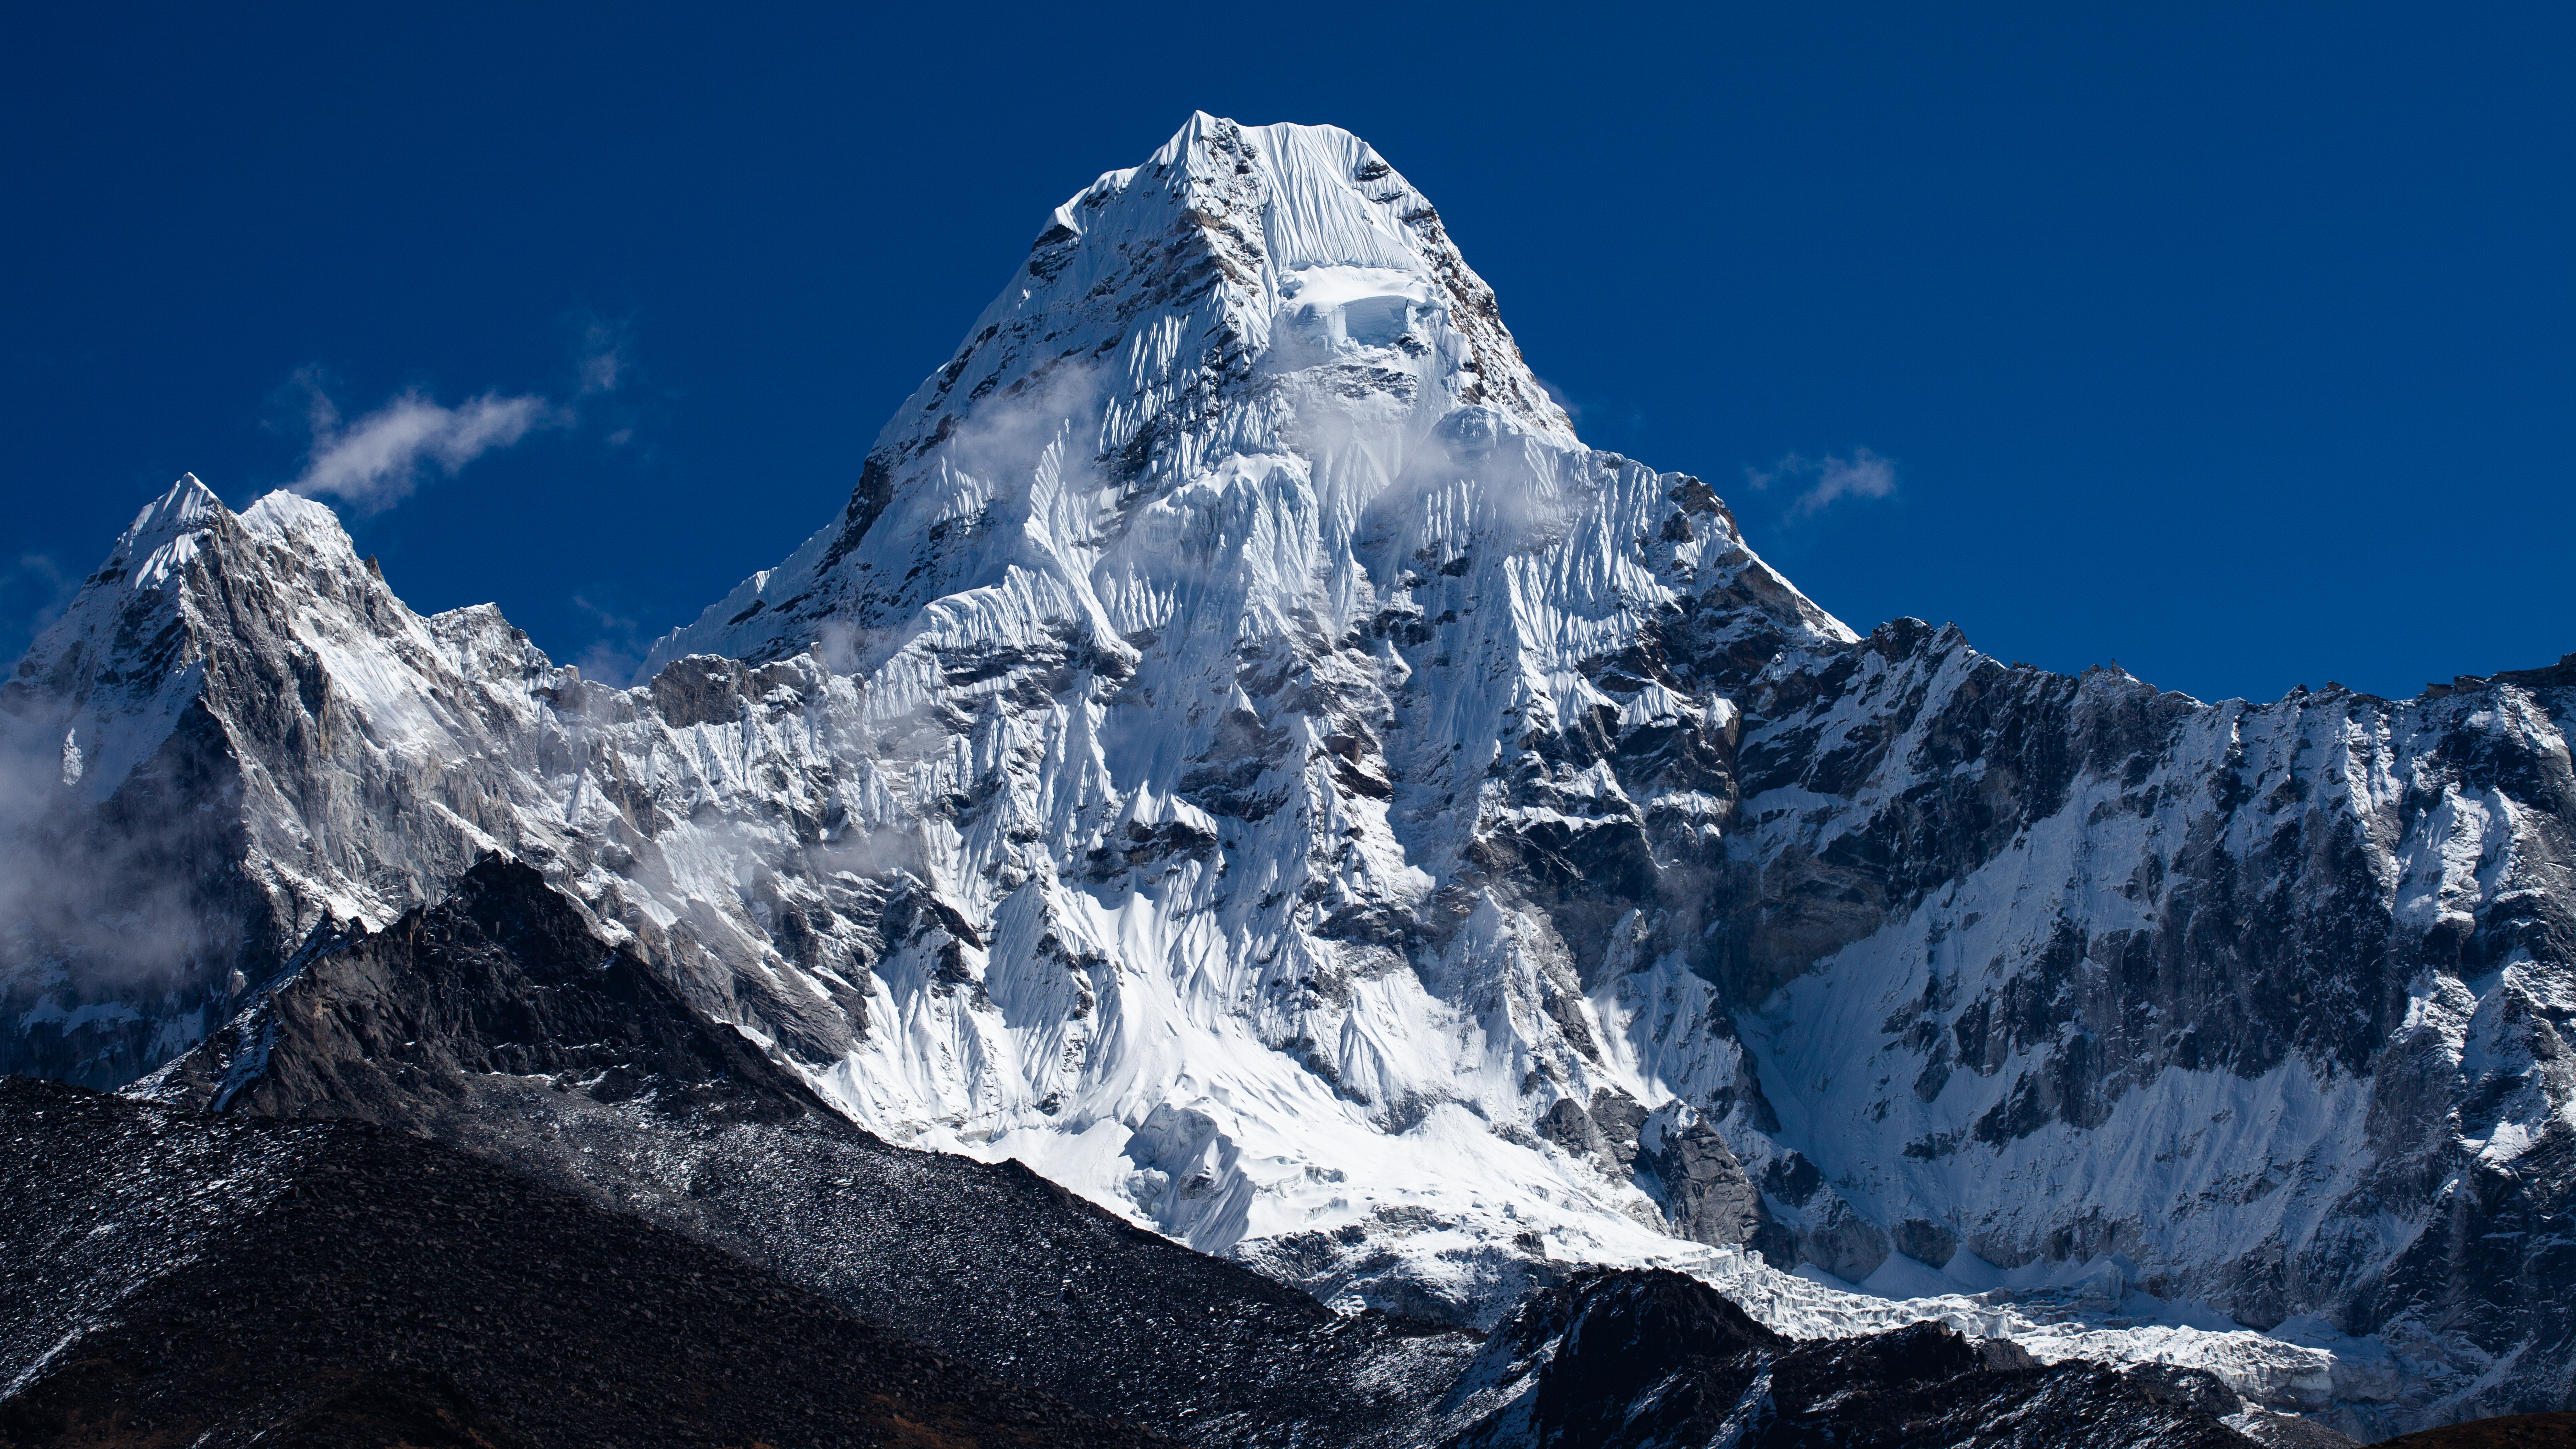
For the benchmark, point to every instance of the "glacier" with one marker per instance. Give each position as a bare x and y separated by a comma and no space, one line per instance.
1239,753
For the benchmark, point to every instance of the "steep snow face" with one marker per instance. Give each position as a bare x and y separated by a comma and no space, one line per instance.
1194,620
1238,752
1268,313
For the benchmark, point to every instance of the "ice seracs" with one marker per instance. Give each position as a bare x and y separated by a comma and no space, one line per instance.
1236,750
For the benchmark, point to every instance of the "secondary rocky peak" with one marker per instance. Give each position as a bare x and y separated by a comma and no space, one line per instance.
216,747
283,514
127,627
187,504
154,550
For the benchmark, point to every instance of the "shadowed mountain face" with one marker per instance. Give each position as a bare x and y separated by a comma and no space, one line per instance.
180,1279
1237,749
1612,1360
2513,1431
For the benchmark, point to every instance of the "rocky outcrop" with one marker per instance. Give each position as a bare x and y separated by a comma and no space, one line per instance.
1705,1193
174,1278
1647,1358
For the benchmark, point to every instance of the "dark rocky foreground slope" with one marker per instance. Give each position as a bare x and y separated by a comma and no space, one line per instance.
2512,1431
174,1278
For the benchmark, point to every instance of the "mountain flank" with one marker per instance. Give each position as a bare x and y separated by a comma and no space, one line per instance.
181,1279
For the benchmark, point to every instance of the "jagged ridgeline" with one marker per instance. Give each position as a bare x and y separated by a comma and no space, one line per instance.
1238,752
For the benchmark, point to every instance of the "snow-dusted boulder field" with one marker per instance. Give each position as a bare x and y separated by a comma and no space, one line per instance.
1238,752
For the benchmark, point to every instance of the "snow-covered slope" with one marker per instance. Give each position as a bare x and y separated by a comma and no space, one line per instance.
1238,752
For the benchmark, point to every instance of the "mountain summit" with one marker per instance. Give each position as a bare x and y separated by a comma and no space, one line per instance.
1239,753
1168,316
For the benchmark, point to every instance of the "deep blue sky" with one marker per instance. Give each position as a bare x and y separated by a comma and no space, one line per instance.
2231,342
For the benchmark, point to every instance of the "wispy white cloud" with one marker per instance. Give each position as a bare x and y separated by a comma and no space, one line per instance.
379,459
604,364
376,461
32,596
1824,481
603,360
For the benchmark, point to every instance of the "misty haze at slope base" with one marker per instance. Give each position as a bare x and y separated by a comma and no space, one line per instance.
1238,752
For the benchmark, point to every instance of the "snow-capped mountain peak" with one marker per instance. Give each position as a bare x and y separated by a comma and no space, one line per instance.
120,627
186,506
1237,751
1227,283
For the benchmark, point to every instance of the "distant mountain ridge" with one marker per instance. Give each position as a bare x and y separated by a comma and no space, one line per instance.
1239,753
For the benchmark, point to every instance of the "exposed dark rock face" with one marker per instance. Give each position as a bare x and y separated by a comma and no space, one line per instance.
2517,1431
174,1278
2208,1393
1925,1242
1612,1359
1706,1195
503,982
